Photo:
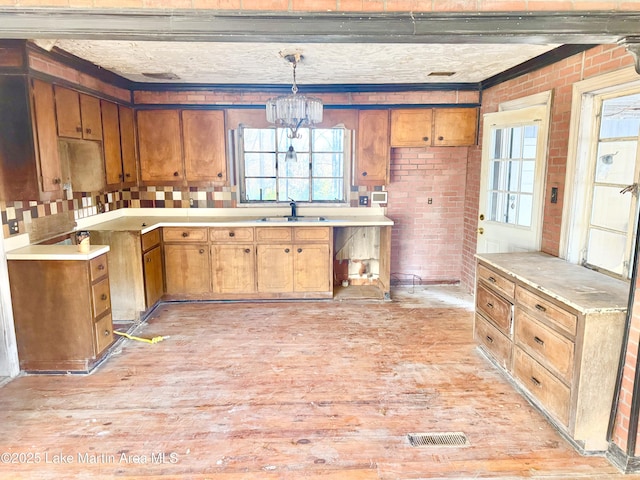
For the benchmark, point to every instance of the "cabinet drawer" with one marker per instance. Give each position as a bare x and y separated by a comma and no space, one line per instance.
99,267
493,342
150,239
495,308
241,234
101,297
551,392
189,234
550,312
497,281
273,234
103,330
545,345
303,234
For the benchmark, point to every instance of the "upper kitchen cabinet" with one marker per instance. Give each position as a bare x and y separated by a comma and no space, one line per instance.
78,114
160,146
119,144
128,146
204,145
444,127
373,153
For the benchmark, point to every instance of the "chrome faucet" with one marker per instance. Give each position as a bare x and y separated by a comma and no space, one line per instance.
294,208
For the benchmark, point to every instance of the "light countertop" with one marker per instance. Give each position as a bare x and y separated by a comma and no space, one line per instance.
585,290
56,252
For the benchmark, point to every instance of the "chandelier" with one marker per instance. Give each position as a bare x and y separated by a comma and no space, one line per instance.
294,111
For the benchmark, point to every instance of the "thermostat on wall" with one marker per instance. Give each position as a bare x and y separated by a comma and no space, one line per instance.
378,197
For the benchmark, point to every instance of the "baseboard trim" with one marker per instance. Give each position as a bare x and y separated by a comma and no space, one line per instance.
623,462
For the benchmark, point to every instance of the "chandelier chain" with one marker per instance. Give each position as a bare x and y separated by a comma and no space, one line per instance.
294,87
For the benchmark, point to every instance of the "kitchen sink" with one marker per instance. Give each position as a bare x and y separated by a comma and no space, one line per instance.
288,218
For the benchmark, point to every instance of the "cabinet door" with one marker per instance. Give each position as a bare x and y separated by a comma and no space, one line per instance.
160,146
128,145
111,143
153,286
187,268
411,127
91,117
45,121
372,157
233,268
275,268
68,112
311,270
455,126
204,145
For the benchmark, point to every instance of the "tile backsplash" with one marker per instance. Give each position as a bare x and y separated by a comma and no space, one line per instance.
87,204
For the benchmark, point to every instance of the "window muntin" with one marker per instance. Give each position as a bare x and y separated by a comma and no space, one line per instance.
318,174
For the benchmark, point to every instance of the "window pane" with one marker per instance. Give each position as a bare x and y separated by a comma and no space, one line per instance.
616,162
327,140
513,178
300,144
524,212
296,188
290,168
530,141
607,250
328,164
516,142
496,144
494,175
328,189
259,139
260,164
261,189
620,117
511,209
528,175
610,208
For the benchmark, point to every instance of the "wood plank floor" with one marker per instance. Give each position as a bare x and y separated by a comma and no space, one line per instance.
290,390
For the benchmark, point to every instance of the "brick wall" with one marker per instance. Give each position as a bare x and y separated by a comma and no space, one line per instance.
426,200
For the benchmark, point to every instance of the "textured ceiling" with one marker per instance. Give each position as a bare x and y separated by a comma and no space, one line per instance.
323,63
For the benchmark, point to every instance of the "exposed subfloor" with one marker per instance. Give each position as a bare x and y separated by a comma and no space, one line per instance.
288,390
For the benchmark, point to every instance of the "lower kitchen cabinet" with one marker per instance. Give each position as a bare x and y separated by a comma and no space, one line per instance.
275,268
153,267
558,344
233,268
62,313
186,261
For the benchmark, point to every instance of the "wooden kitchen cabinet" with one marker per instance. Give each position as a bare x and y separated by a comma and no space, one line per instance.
153,267
233,260
560,346
186,261
128,146
160,146
203,135
420,127
373,149
111,143
78,114
275,268
67,326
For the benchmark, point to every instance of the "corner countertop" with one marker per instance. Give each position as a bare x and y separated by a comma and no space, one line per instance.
585,290
56,252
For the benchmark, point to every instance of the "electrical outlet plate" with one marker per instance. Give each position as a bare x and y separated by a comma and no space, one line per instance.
378,197
364,200
13,226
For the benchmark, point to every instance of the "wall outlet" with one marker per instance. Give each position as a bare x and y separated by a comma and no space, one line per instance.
364,200
13,227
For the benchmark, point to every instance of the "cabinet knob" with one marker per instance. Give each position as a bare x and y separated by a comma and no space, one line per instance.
57,181
491,279
103,296
176,174
536,382
201,251
247,250
128,175
107,333
538,340
286,250
441,138
426,139
148,259
88,130
299,250
101,267
232,234
540,308
185,234
219,174
364,174
489,339
79,129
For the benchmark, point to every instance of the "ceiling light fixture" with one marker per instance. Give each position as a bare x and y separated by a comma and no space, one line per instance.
294,111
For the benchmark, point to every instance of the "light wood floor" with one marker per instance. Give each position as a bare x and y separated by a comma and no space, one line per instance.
324,390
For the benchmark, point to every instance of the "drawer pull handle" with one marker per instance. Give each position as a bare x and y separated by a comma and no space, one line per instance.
491,279
101,267
107,333
185,234
536,382
489,339
247,250
232,234
103,296
539,341
540,307
490,305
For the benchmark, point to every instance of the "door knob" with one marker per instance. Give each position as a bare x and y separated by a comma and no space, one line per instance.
480,230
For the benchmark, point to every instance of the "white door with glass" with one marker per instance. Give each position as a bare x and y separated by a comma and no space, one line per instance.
512,180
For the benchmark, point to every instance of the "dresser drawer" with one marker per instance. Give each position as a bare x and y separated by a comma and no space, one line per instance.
150,239
98,267
273,234
103,330
188,234
316,234
550,312
502,284
548,347
493,341
495,308
101,297
241,234
551,392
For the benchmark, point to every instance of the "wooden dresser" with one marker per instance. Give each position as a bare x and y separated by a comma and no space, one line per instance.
556,330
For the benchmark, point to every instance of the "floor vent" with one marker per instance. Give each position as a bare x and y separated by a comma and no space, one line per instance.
446,439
